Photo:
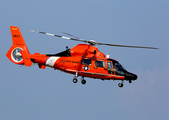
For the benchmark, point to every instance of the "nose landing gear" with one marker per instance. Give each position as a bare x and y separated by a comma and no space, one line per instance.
121,84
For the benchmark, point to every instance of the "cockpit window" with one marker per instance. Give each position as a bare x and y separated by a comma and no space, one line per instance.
99,63
117,65
86,62
119,70
109,65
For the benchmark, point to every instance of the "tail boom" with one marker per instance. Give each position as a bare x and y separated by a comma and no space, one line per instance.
19,54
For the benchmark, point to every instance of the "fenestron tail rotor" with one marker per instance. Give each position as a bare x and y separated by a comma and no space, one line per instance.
16,55
92,42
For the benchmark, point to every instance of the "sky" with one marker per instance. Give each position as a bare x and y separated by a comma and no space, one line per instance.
30,93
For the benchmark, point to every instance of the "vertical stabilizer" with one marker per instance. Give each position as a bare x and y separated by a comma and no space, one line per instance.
18,53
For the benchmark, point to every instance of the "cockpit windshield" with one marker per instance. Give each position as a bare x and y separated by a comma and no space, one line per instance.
117,65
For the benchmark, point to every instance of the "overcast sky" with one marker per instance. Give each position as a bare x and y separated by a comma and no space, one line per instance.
29,93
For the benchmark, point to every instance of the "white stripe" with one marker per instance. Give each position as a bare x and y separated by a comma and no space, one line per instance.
50,34
32,30
51,61
65,37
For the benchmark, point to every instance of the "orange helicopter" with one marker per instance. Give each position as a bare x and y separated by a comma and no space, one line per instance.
82,60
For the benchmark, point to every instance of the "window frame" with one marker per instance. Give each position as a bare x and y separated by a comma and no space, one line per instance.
109,65
85,63
103,65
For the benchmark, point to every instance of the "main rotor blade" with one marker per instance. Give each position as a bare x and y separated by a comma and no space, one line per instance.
126,46
91,41
72,35
60,36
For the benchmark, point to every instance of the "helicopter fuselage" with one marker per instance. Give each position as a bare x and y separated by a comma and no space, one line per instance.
84,60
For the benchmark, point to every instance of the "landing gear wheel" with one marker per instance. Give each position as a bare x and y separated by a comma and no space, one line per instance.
75,80
83,82
120,84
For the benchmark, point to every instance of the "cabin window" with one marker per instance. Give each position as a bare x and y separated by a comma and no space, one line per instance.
109,65
86,62
99,64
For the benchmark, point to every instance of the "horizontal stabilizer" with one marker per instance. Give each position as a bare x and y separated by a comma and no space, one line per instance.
41,66
25,56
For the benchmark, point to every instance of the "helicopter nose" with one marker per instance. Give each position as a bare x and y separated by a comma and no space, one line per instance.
135,77
130,76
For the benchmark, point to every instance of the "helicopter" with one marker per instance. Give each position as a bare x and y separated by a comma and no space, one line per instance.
83,60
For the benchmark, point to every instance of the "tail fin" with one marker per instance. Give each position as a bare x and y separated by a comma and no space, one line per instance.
18,53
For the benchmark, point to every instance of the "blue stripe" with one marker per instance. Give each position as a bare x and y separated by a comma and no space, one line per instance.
46,60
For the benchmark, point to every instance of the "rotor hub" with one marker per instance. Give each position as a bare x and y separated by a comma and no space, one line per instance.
92,42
